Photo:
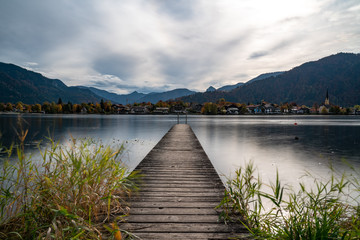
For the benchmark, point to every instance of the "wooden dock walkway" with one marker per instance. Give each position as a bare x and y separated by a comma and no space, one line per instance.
179,193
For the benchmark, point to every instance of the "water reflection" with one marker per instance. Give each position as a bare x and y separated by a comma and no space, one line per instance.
270,142
229,141
138,133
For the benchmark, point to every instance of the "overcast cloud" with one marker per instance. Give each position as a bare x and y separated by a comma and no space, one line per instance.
155,45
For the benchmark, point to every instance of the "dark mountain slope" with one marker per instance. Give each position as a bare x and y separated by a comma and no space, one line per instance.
19,84
227,88
305,84
116,98
164,96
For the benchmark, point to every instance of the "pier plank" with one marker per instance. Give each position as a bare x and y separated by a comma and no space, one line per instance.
179,192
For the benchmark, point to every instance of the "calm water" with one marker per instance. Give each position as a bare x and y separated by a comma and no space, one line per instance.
229,141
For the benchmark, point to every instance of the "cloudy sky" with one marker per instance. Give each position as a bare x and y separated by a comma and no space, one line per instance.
157,45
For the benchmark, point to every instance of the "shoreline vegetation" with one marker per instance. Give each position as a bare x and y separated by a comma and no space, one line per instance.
328,210
74,191
221,107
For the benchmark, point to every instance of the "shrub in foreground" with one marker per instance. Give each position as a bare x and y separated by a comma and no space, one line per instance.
328,210
71,192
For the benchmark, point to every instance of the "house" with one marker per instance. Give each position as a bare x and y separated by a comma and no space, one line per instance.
139,110
161,110
121,109
232,111
83,110
255,109
277,110
269,108
294,109
303,110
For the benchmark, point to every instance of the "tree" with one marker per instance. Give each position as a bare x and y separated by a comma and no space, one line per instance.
27,108
316,107
334,109
324,110
76,108
242,109
46,107
209,108
2,107
9,107
36,108
67,108
102,105
59,101
19,106
98,108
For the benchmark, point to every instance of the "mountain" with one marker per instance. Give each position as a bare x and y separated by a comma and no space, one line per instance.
264,76
164,96
305,84
141,97
211,89
228,88
19,84
117,98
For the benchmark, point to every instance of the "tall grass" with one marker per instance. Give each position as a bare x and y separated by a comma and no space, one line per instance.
72,192
328,210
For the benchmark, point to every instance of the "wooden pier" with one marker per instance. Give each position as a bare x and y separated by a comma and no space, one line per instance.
179,193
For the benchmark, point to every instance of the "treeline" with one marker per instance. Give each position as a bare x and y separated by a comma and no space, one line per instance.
59,107
219,107
92,108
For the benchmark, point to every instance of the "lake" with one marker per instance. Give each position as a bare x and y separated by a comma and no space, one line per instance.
291,144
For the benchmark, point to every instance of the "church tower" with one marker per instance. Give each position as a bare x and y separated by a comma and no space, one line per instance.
327,102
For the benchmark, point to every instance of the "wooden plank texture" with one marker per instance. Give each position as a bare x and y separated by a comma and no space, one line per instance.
179,192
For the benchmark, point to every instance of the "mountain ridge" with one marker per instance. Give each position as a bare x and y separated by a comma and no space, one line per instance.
305,84
20,84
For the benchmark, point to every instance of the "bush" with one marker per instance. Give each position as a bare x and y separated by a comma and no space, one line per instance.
326,211
70,193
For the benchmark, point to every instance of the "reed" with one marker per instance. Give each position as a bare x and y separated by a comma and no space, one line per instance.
73,191
328,210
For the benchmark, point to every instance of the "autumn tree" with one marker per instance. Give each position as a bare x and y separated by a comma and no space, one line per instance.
324,110
9,107
334,109
161,104
27,107
19,106
36,108
98,108
209,108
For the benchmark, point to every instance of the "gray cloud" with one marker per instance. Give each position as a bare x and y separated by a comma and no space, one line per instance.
159,44
179,10
259,54
112,85
122,66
